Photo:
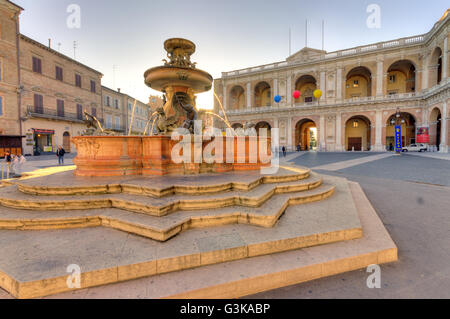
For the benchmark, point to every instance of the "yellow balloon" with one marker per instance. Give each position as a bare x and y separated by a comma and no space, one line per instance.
317,94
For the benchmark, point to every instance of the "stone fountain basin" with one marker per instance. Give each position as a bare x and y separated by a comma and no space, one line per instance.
152,155
160,77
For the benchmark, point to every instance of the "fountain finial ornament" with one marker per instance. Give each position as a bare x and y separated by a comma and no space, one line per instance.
180,81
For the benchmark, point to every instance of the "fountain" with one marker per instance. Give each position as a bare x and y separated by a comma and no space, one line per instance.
229,211
179,80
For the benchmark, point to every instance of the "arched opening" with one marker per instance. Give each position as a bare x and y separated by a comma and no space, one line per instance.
306,84
358,83
262,94
237,98
357,134
436,67
66,142
435,127
306,135
401,77
237,125
263,125
408,124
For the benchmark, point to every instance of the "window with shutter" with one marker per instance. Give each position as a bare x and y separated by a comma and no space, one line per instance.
60,108
38,103
79,111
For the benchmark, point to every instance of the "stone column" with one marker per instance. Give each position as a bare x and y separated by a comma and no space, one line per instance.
378,147
323,145
274,91
339,147
444,143
339,84
289,132
289,90
249,94
445,59
425,72
322,85
380,78
224,99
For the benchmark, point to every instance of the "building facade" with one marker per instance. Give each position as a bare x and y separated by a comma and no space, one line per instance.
10,130
114,110
366,91
55,91
139,120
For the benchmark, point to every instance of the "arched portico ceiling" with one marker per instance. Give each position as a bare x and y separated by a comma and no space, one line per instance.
303,79
359,117
360,71
304,121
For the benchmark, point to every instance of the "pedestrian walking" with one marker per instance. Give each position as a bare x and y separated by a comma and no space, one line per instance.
60,153
8,160
284,151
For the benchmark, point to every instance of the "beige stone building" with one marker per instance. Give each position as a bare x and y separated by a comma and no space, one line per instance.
10,130
138,121
155,101
118,110
366,91
55,91
114,110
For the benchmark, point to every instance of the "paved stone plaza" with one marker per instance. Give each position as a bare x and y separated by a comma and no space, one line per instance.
411,194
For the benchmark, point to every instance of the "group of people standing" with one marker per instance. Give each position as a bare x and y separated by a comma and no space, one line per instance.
14,164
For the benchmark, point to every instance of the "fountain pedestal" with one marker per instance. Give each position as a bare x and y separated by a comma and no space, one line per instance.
155,155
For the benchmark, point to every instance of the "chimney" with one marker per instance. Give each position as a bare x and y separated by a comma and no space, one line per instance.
49,43
118,90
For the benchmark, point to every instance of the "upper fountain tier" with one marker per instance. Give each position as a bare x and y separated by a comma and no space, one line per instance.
179,71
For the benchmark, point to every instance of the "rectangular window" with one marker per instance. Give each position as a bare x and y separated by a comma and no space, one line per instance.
37,65
116,103
392,78
356,83
59,73
79,111
1,105
94,112
60,108
108,121
92,86
78,80
108,101
38,104
117,122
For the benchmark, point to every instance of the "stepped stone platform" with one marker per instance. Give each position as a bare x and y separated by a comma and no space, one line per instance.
123,228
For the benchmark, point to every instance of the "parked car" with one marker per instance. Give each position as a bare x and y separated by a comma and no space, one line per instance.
415,148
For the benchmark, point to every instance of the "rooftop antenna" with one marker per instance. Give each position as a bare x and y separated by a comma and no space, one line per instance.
306,33
290,37
323,35
114,75
74,50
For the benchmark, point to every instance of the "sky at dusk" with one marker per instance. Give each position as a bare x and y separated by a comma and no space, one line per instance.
229,34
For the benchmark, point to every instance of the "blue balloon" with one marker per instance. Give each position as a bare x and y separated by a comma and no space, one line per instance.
277,99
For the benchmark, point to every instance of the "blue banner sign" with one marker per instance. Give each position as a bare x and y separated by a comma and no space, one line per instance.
398,138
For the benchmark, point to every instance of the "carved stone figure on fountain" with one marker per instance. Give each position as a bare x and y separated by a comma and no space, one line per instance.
191,116
165,124
94,127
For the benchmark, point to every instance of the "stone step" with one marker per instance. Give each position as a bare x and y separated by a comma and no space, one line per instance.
162,228
157,186
11,197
